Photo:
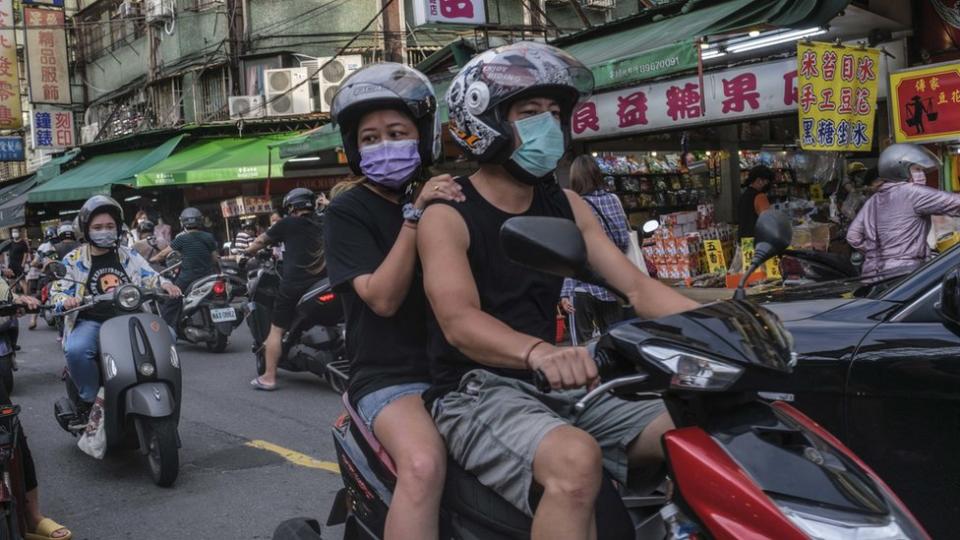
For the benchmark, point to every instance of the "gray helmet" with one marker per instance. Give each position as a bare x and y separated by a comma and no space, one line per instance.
66,231
895,162
146,226
96,205
191,218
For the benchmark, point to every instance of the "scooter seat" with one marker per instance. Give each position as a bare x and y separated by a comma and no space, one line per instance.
361,427
314,290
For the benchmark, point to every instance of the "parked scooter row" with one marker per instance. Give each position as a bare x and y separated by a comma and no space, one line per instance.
739,466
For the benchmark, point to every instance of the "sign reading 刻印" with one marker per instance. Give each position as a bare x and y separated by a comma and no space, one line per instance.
926,103
52,129
837,96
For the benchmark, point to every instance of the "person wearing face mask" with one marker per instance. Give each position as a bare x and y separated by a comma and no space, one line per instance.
17,256
97,267
300,233
387,115
892,227
753,200
494,325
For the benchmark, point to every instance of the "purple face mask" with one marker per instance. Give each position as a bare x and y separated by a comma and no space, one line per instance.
390,164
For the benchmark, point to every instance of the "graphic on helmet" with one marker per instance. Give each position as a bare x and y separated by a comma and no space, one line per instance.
387,85
491,81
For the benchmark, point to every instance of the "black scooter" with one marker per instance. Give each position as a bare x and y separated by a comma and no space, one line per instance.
210,310
739,466
140,375
315,340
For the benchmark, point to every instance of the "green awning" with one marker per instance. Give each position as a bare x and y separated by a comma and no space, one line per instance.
13,202
662,47
52,168
328,136
99,174
218,160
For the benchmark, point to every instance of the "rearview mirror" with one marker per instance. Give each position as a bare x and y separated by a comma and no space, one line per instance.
56,269
551,245
772,237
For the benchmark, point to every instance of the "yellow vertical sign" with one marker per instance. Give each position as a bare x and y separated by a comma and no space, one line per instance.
11,115
746,252
772,268
837,90
716,263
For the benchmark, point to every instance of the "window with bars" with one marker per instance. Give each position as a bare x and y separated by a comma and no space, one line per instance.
210,93
167,102
105,29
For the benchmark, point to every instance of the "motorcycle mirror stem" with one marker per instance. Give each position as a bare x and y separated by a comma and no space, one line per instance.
773,235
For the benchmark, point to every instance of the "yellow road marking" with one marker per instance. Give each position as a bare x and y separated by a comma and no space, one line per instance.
295,457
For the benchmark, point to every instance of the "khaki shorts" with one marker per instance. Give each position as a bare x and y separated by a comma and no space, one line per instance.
493,426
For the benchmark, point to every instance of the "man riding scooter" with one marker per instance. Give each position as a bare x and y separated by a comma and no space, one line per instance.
96,268
199,251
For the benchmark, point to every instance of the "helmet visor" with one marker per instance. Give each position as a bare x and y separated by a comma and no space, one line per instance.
386,81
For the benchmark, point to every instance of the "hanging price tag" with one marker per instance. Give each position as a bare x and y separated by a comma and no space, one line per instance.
716,263
816,193
772,268
746,252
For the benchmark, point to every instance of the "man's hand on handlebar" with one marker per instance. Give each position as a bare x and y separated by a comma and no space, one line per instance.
564,367
71,302
172,290
28,302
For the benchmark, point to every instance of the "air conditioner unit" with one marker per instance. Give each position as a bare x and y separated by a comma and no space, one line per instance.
334,72
246,107
602,5
89,132
155,10
287,91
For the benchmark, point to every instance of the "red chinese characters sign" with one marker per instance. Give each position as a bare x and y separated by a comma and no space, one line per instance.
837,92
47,56
926,103
52,129
10,108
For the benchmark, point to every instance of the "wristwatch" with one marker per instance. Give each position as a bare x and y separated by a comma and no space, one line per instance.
411,213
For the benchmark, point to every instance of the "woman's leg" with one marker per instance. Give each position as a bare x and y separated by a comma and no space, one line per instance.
81,353
406,430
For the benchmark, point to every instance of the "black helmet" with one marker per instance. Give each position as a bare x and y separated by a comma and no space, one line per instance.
146,226
387,85
496,78
191,218
299,199
98,204
49,233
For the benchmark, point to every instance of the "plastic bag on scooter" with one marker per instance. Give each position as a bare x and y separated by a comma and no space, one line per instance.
93,441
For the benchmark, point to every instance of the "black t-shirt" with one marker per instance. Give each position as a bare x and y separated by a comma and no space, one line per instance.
302,239
106,274
17,251
522,298
197,249
361,228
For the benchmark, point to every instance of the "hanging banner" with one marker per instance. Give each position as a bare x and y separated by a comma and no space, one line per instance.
441,12
837,89
11,149
49,78
11,115
651,64
926,103
53,3
52,129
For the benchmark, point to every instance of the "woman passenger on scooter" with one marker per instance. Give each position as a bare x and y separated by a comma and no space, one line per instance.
391,134
97,267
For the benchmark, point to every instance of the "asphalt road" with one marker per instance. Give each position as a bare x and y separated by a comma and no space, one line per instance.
231,485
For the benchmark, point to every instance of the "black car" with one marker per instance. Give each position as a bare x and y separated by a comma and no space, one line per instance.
879,367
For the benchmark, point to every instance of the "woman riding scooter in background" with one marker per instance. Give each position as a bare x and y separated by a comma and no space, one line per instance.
97,267
391,134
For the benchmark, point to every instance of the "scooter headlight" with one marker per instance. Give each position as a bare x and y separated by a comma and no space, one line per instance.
692,371
147,369
818,525
128,297
174,357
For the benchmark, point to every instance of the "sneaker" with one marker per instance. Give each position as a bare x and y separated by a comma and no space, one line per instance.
80,421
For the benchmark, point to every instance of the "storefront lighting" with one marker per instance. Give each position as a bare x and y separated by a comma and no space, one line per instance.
708,152
594,154
705,45
712,54
133,198
754,33
775,38
654,154
303,159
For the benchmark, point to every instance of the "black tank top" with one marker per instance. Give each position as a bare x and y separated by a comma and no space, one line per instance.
747,213
522,298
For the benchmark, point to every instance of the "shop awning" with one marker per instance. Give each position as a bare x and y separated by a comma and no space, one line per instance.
665,46
328,136
99,174
218,160
13,201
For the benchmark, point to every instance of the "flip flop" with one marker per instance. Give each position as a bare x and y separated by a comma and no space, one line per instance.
45,530
260,385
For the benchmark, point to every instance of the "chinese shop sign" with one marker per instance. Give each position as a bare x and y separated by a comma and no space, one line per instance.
731,94
837,96
10,111
11,149
51,128
926,103
651,64
441,12
47,56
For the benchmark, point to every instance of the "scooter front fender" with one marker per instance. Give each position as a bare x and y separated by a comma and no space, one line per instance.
152,399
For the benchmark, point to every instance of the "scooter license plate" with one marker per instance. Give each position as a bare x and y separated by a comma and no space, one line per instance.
223,315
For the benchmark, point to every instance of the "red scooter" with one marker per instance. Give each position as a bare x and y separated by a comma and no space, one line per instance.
738,466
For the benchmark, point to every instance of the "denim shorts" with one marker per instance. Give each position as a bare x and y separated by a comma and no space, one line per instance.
373,403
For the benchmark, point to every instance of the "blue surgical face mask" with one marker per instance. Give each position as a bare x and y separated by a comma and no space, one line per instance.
391,164
541,146
104,239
